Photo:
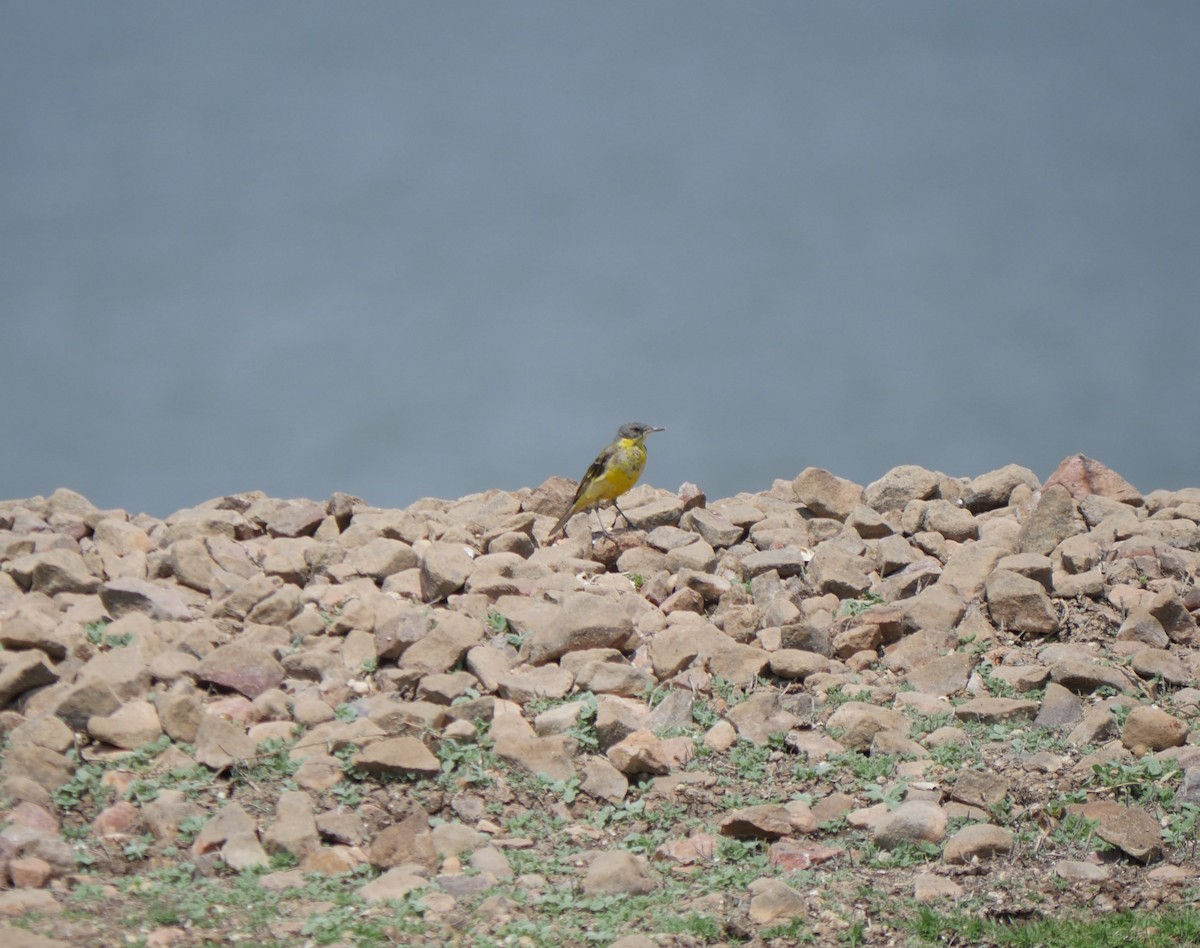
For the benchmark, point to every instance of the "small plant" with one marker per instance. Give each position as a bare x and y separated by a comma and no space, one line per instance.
138,847
854,607
1144,782
750,761
95,634
465,764
638,580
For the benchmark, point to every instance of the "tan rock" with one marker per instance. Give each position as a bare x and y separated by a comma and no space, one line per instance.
1153,729
1020,604
221,743
131,726
243,668
444,570
409,841
856,723
397,756
295,826
617,872
911,821
772,901
22,672
975,842
1049,523
585,620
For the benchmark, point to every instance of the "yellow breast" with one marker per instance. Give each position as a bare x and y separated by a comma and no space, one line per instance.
622,471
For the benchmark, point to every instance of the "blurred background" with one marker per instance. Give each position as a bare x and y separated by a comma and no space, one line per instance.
426,249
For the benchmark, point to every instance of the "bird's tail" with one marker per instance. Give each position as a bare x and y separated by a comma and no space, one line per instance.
562,522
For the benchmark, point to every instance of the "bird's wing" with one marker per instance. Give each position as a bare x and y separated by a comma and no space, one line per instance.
595,471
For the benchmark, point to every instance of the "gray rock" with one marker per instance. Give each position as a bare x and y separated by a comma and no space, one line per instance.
584,621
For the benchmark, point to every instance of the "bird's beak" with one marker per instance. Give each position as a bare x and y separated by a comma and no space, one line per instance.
651,431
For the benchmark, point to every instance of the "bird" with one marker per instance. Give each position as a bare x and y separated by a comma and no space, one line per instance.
615,470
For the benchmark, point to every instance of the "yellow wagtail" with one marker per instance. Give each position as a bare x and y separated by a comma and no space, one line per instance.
615,470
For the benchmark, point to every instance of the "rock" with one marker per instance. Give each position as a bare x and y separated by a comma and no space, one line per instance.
552,756
856,723
899,486
644,753
157,600
221,743
772,901
945,675
992,490
241,667
1084,677
1131,829
444,570
584,621
399,757
603,781
295,827
525,683
22,672
996,710
767,821
1053,520
230,821
1020,604
52,572
1153,729
760,716
1060,707
1160,663
131,726
976,842
12,937
797,664
29,628
1082,476
394,884
929,888
444,645
1140,626
950,520
409,841
1175,618
911,821
1075,871
617,872
825,494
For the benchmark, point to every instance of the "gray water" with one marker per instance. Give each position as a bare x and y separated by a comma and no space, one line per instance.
410,249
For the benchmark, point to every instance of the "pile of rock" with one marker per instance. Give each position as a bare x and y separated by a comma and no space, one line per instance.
392,631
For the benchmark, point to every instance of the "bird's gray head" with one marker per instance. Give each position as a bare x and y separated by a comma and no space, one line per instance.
636,431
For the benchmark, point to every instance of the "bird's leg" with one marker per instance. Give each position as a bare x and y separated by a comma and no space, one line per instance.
600,520
621,512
